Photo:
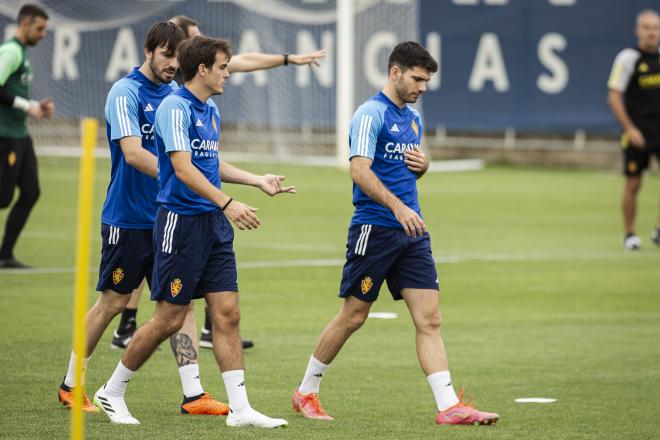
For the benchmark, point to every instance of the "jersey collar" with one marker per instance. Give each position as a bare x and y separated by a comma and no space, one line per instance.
383,97
190,97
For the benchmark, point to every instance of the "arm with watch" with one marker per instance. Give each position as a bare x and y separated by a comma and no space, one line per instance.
241,214
249,62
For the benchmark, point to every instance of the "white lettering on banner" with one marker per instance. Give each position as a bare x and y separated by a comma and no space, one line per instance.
557,80
489,65
434,46
124,55
65,48
373,71
324,72
250,43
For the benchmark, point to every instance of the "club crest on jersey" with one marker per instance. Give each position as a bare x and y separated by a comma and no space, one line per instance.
415,127
366,285
11,158
643,67
175,286
117,275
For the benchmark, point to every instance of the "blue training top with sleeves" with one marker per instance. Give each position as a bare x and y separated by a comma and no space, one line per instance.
130,110
382,131
184,123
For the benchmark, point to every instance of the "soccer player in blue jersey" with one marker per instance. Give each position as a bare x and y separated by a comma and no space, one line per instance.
130,209
245,62
387,238
193,237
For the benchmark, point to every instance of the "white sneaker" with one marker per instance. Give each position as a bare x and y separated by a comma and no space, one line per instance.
251,417
632,243
114,407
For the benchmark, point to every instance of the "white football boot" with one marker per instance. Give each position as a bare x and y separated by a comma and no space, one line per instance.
632,243
114,407
251,417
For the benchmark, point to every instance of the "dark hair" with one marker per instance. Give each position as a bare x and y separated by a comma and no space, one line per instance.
199,50
29,12
185,23
411,54
164,34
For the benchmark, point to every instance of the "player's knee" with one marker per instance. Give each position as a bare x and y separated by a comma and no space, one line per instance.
355,320
112,304
229,318
170,324
429,322
176,323
633,184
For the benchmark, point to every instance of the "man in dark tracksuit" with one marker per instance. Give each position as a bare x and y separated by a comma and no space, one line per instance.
18,163
634,96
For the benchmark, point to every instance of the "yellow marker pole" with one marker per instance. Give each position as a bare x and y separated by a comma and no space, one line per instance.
90,128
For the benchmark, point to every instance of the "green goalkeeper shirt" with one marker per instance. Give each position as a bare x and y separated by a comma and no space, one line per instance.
16,77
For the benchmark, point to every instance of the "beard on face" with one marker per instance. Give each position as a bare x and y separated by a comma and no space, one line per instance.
404,95
160,73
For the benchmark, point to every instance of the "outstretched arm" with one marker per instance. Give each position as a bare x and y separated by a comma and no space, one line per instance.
239,213
268,183
371,185
249,62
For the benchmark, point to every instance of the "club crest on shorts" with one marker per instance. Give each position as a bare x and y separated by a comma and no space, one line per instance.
11,158
415,127
175,286
117,275
632,166
366,284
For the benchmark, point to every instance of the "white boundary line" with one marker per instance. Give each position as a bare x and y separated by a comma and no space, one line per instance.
338,262
441,166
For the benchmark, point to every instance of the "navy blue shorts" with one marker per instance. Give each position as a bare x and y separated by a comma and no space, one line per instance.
193,256
127,257
375,254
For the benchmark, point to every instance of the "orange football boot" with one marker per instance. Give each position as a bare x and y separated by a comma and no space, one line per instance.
65,397
203,405
309,406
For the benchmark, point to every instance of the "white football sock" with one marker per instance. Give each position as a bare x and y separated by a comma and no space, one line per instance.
236,392
312,380
70,379
190,382
443,390
116,385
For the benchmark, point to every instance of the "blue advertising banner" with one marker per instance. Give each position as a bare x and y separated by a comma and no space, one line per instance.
532,65
535,65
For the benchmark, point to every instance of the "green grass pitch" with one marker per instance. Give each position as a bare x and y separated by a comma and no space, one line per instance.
538,300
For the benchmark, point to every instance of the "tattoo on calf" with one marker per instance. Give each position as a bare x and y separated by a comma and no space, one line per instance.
183,349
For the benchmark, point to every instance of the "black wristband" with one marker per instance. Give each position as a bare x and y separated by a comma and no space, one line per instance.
226,204
286,59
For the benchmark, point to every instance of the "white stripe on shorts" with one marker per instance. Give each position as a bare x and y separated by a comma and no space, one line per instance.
361,245
168,234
